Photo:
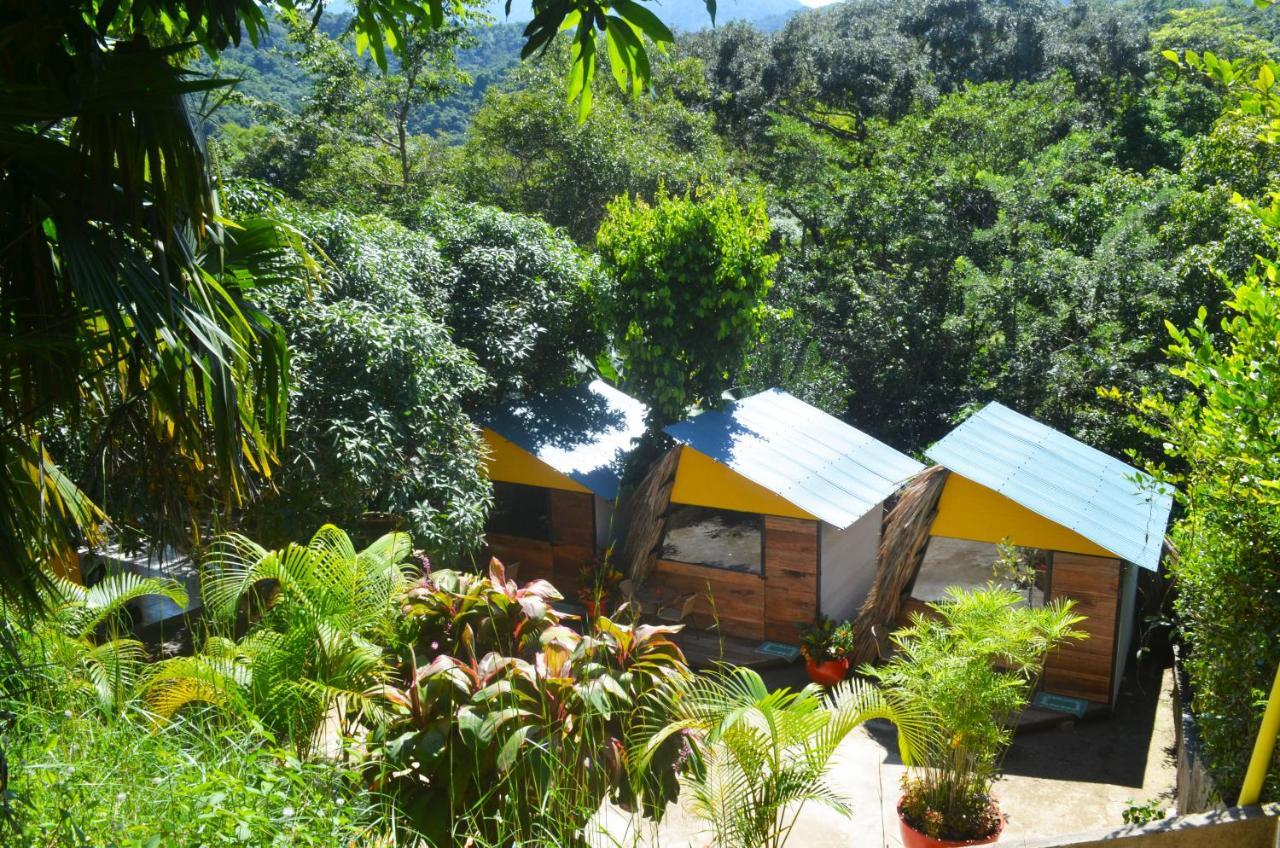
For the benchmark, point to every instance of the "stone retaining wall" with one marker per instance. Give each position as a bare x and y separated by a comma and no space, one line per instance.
1196,790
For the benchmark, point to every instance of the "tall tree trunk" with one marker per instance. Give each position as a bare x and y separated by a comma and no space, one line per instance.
402,120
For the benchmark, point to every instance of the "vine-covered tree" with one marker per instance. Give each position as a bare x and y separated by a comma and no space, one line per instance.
692,275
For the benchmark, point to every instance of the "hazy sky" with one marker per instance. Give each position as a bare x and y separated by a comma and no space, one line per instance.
813,4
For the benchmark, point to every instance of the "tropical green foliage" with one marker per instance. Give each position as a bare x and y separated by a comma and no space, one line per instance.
512,727
79,780
692,275
520,295
526,152
758,756
955,222
376,429
970,667
958,201
79,652
320,620
1225,436
412,326
348,140
126,295
1221,436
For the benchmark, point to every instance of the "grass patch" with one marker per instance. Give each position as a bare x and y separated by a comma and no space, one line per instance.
85,780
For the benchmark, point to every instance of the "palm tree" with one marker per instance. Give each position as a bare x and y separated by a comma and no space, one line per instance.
759,756
78,646
313,654
124,295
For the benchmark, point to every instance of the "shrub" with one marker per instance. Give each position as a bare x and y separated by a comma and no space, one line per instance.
1222,437
512,727
78,653
1225,436
88,780
319,618
970,665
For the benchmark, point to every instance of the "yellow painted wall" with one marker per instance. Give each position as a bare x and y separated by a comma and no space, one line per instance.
701,481
510,463
971,511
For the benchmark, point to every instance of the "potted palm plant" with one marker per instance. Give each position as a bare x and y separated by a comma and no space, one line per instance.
971,665
826,647
756,756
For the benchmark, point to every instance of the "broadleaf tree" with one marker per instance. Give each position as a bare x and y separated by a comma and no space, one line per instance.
689,300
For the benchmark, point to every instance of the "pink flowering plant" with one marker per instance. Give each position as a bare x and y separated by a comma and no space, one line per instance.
512,727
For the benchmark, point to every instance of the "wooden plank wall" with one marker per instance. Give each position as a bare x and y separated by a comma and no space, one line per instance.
1083,669
733,600
531,558
573,537
572,545
791,577
749,606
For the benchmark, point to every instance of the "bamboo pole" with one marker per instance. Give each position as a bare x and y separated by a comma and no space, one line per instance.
1263,747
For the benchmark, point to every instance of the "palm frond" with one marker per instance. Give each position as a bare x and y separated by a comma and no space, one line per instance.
108,598
761,754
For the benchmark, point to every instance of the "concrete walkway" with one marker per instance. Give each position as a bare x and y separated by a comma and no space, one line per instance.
1057,781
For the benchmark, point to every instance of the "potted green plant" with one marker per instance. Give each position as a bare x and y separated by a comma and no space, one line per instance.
971,665
826,647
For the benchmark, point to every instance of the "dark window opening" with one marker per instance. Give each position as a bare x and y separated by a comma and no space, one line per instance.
520,510
720,538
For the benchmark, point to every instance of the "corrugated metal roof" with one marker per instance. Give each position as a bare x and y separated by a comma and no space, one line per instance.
819,463
584,432
1109,502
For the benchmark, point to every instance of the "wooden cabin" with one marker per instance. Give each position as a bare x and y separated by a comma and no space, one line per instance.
1086,525
771,517
556,464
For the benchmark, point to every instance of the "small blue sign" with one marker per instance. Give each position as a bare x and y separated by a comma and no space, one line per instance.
777,649
1060,703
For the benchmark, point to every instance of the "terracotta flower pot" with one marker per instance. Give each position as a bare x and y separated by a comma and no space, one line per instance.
912,838
595,609
827,672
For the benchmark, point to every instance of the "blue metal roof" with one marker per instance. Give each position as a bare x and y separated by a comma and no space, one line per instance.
1110,503
819,463
584,432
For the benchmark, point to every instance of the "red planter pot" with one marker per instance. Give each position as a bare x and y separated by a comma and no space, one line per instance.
827,672
912,838
595,609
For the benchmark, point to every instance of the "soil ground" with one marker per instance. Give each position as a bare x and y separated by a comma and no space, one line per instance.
1058,780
